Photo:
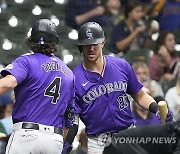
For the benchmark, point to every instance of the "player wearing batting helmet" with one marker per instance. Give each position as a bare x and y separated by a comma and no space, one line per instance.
42,82
102,87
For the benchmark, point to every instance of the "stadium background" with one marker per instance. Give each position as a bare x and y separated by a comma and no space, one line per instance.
17,16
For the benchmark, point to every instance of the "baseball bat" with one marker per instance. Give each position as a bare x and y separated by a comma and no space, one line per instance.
163,111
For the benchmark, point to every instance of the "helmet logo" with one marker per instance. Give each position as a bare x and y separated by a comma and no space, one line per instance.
89,34
41,41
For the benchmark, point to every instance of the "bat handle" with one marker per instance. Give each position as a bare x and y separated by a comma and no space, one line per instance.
163,111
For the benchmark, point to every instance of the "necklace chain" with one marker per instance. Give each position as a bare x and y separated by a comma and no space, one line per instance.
100,73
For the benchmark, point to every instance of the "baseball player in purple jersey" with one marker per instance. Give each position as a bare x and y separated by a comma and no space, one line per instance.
102,86
42,82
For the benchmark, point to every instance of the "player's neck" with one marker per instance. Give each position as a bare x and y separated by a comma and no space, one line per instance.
97,66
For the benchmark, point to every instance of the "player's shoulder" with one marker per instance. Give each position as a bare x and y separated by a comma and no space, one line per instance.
63,66
31,57
24,57
115,59
77,69
117,62
57,59
28,54
78,72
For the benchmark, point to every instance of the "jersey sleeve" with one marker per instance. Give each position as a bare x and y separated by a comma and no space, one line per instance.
77,107
69,113
133,84
18,68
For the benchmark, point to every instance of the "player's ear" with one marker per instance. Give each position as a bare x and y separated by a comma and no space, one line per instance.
103,43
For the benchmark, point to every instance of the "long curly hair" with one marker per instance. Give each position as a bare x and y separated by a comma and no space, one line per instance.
47,48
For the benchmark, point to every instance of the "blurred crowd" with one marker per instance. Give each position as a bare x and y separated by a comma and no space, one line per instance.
146,33
6,106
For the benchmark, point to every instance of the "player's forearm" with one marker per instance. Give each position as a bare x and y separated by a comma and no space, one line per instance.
65,132
71,134
146,101
143,99
7,84
72,131
67,146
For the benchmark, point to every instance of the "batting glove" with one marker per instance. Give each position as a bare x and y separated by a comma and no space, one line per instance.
66,148
169,117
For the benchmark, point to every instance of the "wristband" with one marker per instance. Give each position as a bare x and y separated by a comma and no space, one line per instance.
153,107
71,134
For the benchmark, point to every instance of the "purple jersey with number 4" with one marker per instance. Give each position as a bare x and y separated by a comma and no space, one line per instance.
102,102
45,89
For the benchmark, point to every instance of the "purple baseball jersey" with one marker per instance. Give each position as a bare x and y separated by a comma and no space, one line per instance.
102,102
45,89
151,119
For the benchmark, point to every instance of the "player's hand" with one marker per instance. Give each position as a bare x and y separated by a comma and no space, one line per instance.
158,114
169,117
66,148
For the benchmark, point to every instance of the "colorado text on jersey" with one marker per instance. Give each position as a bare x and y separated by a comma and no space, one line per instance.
102,89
